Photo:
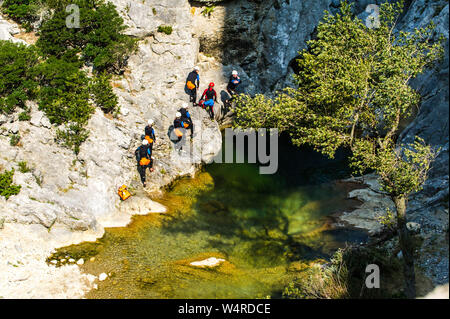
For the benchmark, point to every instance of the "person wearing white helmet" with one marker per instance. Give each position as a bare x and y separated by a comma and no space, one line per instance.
186,118
233,83
144,160
192,84
150,135
183,122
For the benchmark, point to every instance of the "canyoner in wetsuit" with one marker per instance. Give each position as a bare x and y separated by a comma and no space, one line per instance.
183,120
144,160
233,83
192,84
209,96
150,135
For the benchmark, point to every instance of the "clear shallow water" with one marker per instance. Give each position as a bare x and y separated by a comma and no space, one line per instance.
262,225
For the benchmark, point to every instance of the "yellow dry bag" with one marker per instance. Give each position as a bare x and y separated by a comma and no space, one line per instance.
123,192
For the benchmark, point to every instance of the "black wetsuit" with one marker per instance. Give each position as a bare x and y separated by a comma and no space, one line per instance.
143,151
195,79
210,95
185,119
150,132
231,87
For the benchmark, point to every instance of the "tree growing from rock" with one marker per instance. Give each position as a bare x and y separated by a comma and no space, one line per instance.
353,91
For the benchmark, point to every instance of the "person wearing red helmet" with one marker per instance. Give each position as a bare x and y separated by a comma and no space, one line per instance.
210,96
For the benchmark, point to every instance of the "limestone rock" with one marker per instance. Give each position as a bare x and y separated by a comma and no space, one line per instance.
209,262
8,30
102,276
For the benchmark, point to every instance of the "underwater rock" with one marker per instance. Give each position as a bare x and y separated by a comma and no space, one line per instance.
209,262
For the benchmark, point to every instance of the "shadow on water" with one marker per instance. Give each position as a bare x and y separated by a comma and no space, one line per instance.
281,216
259,224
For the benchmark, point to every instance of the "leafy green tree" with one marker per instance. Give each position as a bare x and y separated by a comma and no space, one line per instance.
63,92
22,11
51,71
103,94
353,90
17,84
99,40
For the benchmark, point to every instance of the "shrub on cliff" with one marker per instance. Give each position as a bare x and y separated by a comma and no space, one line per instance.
321,281
22,11
103,94
99,40
17,84
7,188
63,92
72,136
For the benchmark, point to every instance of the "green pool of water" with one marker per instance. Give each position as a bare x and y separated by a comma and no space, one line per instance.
261,225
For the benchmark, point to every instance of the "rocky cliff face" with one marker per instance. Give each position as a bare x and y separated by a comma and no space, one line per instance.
264,37
66,198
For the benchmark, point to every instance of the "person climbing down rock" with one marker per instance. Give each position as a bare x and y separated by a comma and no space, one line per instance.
233,83
186,118
144,160
209,96
192,84
178,132
150,133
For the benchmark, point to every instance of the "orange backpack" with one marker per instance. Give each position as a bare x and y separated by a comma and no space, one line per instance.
144,161
190,85
150,141
123,192
178,132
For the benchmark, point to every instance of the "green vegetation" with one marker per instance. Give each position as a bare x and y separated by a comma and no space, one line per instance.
388,220
99,40
72,136
24,116
167,29
17,83
207,11
344,276
103,94
320,281
63,94
23,168
51,72
7,188
353,90
22,11
14,139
